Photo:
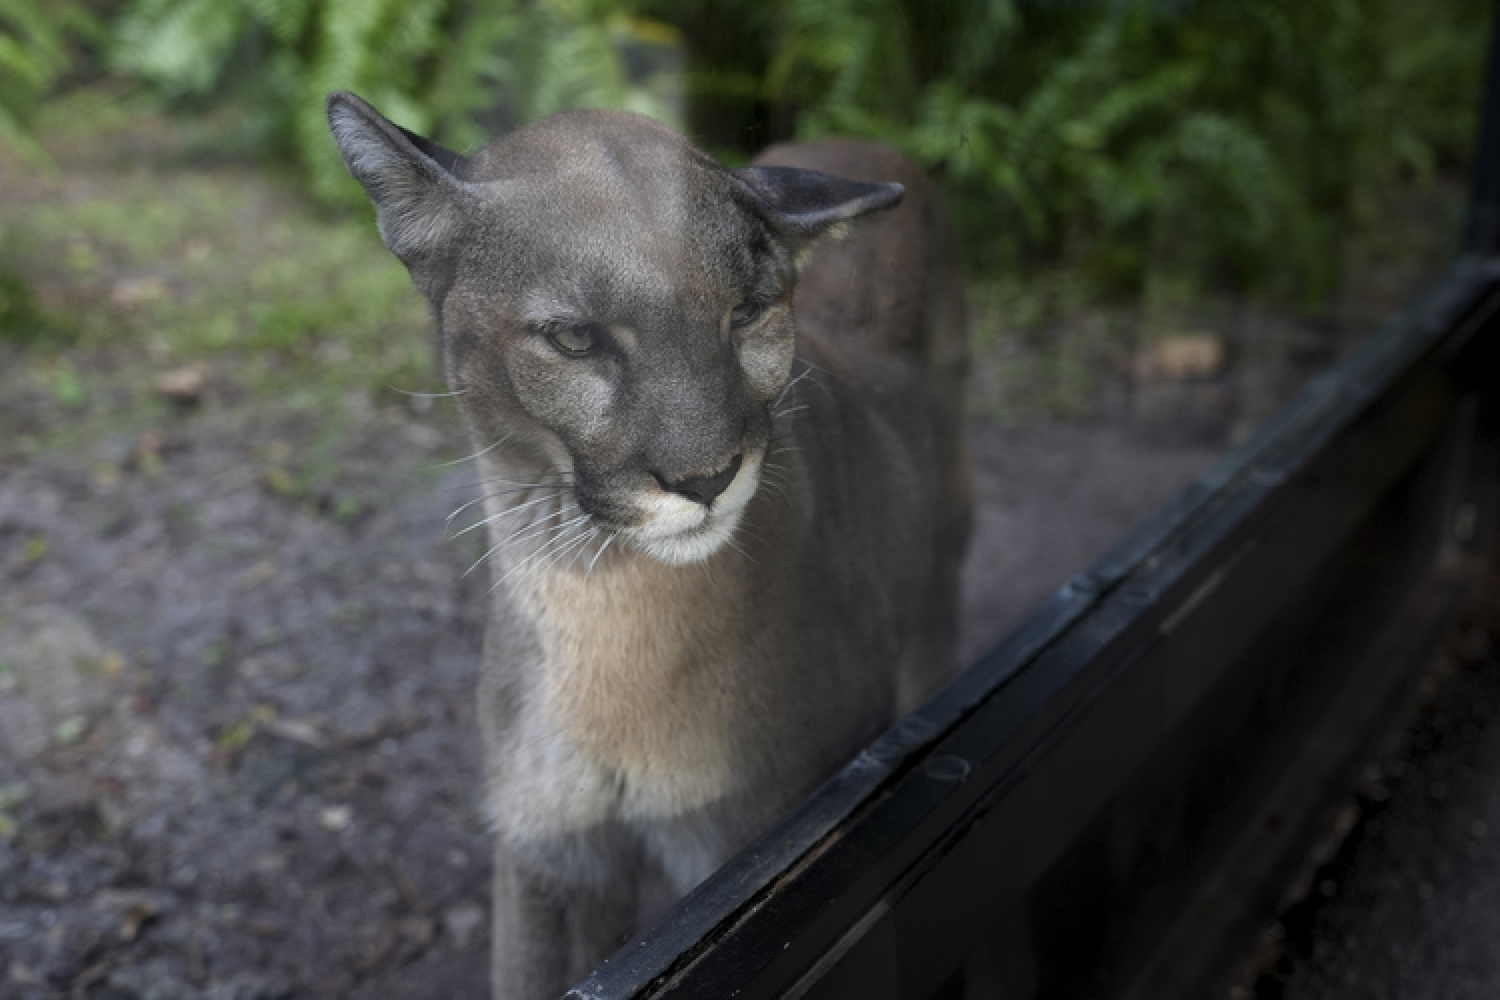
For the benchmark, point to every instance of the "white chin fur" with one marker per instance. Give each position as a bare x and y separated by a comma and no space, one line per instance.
680,532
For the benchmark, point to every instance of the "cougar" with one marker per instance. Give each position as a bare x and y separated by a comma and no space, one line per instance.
726,490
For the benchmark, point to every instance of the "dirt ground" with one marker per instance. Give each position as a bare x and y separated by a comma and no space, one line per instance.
1403,903
238,756
237,732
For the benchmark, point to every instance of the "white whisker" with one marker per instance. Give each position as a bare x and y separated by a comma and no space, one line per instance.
466,458
751,533
528,560
607,542
539,527
790,386
495,517
497,494
578,542
821,371
593,533
550,546
732,544
509,482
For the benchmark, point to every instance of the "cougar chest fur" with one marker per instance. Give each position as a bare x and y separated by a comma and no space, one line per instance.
640,680
725,486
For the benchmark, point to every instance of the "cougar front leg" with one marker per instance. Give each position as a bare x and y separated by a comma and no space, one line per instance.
547,936
530,955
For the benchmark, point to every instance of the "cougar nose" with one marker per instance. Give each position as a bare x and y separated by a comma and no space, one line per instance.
703,489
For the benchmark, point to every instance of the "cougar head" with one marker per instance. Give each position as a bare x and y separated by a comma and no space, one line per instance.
610,300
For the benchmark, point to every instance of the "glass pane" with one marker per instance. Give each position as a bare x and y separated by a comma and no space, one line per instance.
238,732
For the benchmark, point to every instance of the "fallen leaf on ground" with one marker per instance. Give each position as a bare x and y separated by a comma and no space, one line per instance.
185,384
134,291
1196,355
298,731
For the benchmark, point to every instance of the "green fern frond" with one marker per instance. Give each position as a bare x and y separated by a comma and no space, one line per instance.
34,54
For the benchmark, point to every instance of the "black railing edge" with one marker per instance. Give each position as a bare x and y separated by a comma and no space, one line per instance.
1333,399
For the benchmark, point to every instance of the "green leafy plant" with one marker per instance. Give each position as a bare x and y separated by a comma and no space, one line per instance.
442,67
1220,145
34,54
1228,143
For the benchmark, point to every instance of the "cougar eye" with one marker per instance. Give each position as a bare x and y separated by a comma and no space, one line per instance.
576,341
745,313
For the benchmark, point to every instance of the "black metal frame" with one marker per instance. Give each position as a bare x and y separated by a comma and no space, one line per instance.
1106,802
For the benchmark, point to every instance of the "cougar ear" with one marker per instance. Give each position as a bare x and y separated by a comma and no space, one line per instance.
810,204
413,181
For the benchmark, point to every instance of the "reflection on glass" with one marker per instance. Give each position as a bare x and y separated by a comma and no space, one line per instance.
236,667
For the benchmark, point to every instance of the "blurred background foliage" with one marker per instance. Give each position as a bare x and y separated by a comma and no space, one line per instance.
1168,148
36,51
38,44
453,69
1218,144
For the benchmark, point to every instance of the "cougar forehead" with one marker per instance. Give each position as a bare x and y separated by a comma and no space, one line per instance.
617,209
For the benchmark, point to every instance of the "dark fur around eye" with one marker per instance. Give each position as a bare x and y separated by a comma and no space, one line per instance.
745,313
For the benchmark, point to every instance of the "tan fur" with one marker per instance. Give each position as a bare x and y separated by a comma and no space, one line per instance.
635,648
